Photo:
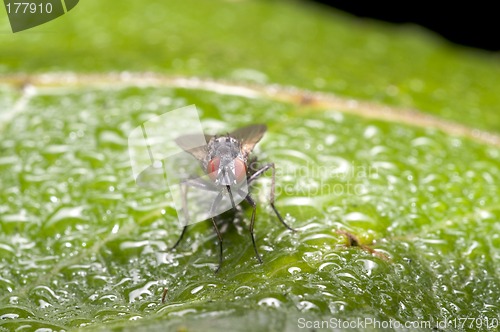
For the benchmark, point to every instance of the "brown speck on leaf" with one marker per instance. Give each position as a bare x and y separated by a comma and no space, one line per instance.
354,242
164,295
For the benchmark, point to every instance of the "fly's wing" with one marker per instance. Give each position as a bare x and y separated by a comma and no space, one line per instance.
249,136
186,142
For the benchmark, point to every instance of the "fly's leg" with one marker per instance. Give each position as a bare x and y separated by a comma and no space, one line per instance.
220,244
214,204
196,183
200,184
186,214
256,175
252,222
231,196
184,229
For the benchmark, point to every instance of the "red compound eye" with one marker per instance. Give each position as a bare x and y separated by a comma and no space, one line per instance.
213,168
240,170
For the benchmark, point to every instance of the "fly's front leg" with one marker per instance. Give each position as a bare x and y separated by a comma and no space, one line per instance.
212,209
256,175
220,244
198,183
184,189
252,222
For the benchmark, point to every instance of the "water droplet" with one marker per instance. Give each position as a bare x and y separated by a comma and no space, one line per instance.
145,243
323,266
346,275
43,304
137,294
196,289
6,251
330,139
111,138
181,313
56,149
370,132
270,302
65,216
368,265
358,217
9,316
243,290
422,141
306,306
337,306
10,160
294,270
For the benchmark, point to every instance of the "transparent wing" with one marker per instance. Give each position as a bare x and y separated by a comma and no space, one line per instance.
249,136
186,143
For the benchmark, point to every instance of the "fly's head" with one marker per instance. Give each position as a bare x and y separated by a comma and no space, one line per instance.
225,162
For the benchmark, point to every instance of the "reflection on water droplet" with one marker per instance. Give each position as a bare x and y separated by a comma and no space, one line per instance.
358,217
312,256
111,138
346,275
115,229
9,316
368,265
325,265
196,289
384,165
65,215
330,139
139,244
337,306
370,132
43,304
56,149
302,201
6,250
44,290
267,248
10,160
422,141
16,218
294,270
136,294
270,302
433,241
306,306
376,150
243,290
318,236
181,313
471,248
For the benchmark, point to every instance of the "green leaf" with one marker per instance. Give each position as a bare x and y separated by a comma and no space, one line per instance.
81,246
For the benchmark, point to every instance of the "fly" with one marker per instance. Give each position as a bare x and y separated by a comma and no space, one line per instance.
226,160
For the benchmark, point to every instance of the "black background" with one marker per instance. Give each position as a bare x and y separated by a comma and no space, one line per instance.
471,24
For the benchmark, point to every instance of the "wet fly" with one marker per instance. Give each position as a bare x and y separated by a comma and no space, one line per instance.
226,160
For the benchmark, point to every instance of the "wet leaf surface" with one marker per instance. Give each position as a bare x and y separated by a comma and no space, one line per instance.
81,246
